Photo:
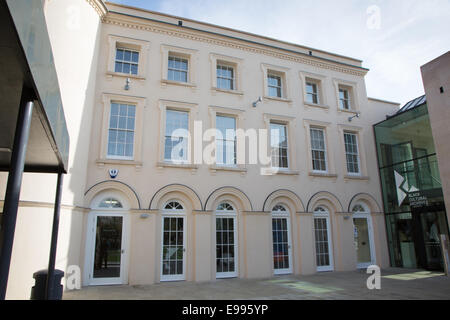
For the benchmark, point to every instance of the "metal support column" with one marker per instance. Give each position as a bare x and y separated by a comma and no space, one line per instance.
49,294
12,195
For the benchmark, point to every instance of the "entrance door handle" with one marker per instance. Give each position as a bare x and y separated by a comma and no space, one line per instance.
123,251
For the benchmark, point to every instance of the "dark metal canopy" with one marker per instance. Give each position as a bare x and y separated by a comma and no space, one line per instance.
26,60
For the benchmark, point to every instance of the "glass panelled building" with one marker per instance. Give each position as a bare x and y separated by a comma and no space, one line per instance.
411,188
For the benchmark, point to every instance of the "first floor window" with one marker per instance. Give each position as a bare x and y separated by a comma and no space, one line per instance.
318,149
226,140
176,135
225,77
178,69
126,61
274,85
312,95
351,152
278,145
121,131
344,99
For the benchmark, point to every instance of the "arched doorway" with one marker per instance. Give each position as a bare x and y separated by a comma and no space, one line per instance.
226,241
363,236
323,242
173,251
281,240
107,240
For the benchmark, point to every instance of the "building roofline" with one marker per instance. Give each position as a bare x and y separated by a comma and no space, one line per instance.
236,38
384,101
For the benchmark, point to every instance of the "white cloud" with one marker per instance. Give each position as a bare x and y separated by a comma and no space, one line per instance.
412,32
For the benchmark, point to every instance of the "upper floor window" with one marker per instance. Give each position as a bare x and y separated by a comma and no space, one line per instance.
351,152
225,77
318,149
226,140
274,85
176,135
126,61
312,93
279,145
177,69
344,98
121,131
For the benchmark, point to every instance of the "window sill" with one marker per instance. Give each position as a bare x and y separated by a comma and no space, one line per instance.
354,112
227,168
314,105
102,162
178,83
111,74
322,175
355,177
278,99
279,171
176,165
236,92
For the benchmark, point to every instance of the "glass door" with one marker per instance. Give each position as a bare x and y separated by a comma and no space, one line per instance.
226,247
324,249
362,242
281,246
108,250
173,251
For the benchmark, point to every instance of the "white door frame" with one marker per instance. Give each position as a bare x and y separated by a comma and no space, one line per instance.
284,215
366,215
228,214
90,248
324,214
173,214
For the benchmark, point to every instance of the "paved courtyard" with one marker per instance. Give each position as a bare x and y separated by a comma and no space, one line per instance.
395,284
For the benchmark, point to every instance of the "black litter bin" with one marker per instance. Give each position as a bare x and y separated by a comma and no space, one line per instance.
38,291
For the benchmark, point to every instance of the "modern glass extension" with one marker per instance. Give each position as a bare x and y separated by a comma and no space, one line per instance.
411,187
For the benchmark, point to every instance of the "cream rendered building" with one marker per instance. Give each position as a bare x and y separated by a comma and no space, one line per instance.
132,215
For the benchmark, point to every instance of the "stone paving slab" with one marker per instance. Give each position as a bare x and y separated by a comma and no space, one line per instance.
396,284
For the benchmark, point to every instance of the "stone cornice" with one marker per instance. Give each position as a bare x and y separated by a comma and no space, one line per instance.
151,26
99,7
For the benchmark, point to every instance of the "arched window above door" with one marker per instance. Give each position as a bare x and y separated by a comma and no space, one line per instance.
111,203
279,208
173,205
225,206
360,208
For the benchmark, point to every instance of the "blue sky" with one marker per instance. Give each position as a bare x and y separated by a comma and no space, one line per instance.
392,37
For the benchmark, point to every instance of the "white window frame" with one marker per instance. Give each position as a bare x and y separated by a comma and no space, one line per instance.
224,139
184,53
358,131
139,103
191,108
352,89
285,126
325,152
326,215
173,213
228,61
177,70
331,168
290,124
355,134
187,137
126,130
281,72
367,215
279,214
228,214
319,81
119,42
